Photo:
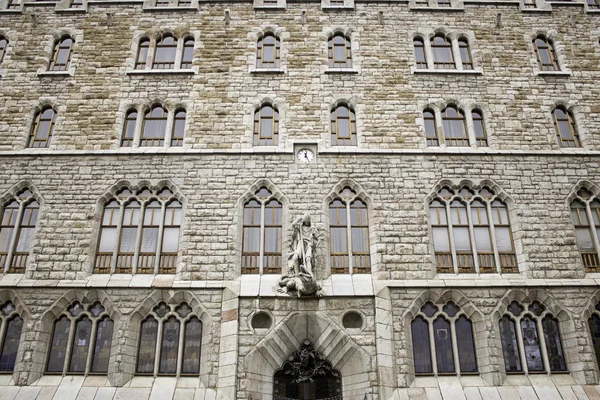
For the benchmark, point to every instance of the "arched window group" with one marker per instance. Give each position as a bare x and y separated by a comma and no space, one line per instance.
471,232
170,341
19,218
531,340
585,214
42,128
546,56
11,326
268,51
452,350
81,341
343,126
262,234
157,128
455,129
339,51
139,232
349,234
443,52
266,126
61,54
166,52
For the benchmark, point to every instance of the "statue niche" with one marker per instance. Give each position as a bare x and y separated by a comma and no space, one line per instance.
307,375
300,277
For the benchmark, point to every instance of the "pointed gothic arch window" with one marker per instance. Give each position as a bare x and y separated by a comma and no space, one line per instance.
17,230
471,232
262,234
11,326
531,330
585,214
139,233
442,325
305,375
349,234
87,351
170,341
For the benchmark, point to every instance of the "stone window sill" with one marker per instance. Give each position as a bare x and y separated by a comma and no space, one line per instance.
81,10
536,10
449,71
337,8
12,11
594,11
46,74
443,9
341,71
171,9
553,73
267,71
41,3
161,72
268,8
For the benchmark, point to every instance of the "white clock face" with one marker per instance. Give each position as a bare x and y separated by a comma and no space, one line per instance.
305,156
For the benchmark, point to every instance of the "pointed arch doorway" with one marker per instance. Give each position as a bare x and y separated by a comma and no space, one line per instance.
307,375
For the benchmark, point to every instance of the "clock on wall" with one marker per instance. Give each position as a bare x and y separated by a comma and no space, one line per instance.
305,156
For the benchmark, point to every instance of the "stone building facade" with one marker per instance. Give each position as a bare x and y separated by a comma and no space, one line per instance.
212,166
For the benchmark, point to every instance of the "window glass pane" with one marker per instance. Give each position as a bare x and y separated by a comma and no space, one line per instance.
102,346
464,54
544,56
43,130
128,236
108,240
343,128
594,323
482,239
5,238
8,356
266,127
421,347
273,240
58,346
339,240
170,240
556,358
420,54
442,55
443,345
62,56
165,54
269,54
531,344
339,54
584,239
479,131
25,240
503,241
430,128
149,240
169,347
360,240
466,345
81,345
179,128
440,240
191,347
461,239
251,239
510,348
147,350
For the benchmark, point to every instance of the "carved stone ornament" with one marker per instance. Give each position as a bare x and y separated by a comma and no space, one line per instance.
300,279
307,364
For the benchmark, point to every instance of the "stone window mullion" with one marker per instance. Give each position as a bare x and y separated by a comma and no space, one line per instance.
451,237
592,226
429,54
432,345
138,238
180,348
161,228
159,335
3,328
455,346
179,53
542,338
113,261
470,126
69,350
349,236
151,51
90,354
493,236
440,127
472,239
13,239
458,64
139,122
169,128
261,241
520,342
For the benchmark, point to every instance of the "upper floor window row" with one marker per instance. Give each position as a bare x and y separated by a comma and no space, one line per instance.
441,52
155,127
164,53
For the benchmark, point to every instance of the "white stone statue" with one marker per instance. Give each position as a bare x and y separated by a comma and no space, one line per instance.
300,277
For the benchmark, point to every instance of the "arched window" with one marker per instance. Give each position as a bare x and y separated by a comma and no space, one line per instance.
420,56
430,128
465,241
61,55
129,128
266,126
566,131
178,128
170,342
585,214
268,51
479,128
142,53
164,55
3,47
594,324
188,53
154,127
343,126
455,127
17,231
42,128
139,233
465,53
442,325
442,52
349,234
593,4
546,56
263,223
87,351
11,325
340,51
520,329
